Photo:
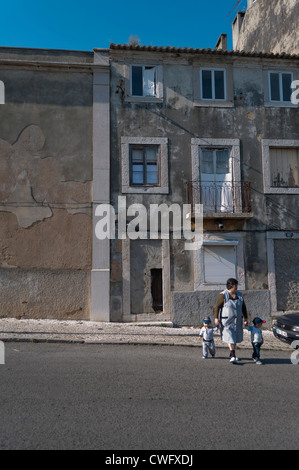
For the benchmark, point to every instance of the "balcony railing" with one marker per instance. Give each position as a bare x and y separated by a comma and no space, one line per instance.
220,197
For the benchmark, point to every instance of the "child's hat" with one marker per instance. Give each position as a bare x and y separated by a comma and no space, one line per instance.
206,320
257,320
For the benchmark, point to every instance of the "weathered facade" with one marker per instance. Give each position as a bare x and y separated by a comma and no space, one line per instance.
268,26
139,127
46,192
211,123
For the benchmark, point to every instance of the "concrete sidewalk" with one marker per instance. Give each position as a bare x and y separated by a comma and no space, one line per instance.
162,333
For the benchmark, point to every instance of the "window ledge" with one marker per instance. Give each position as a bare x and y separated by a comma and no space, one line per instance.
145,190
213,104
282,191
279,104
143,99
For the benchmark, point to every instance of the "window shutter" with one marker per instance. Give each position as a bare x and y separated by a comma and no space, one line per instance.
219,263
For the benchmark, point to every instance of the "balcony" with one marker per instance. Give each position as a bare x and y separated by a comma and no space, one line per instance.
221,199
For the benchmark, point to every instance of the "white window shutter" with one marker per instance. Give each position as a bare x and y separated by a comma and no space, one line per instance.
219,263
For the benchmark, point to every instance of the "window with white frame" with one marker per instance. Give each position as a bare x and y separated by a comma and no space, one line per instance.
144,80
281,166
213,84
216,174
144,162
280,86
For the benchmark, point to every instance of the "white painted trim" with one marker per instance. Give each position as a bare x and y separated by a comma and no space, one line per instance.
197,143
100,274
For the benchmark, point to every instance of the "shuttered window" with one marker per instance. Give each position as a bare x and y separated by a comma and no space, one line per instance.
219,263
284,167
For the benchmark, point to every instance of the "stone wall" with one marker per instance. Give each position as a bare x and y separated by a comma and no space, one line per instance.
270,26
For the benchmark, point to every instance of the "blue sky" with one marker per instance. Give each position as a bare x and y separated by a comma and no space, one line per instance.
83,25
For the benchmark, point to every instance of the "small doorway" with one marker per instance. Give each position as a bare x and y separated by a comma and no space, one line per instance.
157,289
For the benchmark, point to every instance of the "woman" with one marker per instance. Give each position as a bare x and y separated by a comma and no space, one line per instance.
230,308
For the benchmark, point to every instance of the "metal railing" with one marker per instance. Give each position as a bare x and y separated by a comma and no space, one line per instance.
220,197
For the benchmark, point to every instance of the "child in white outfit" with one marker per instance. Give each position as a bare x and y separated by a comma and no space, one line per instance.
207,335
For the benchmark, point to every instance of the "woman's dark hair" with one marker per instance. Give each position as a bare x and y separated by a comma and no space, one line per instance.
231,282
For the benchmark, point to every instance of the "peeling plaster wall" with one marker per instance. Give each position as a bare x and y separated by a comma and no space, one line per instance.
45,186
179,117
270,26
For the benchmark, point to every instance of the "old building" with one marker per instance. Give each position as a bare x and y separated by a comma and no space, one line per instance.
49,158
122,135
210,127
268,26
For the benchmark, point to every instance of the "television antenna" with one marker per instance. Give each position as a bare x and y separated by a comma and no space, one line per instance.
235,6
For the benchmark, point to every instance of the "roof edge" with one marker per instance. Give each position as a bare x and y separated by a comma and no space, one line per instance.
186,50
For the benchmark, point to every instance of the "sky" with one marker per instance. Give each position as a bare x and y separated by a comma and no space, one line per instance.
86,24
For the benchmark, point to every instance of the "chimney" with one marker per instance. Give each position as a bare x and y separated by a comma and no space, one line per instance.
237,24
222,42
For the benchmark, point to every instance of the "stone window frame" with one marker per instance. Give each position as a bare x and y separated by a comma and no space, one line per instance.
271,237
163,187
266,145
227,239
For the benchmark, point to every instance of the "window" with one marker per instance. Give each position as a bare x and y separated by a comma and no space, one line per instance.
219,263
144,165
143,80
213,84
284,167
216,175
216,180
280,86
281,166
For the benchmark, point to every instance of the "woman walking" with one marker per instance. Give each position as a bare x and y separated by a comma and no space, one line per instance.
229,312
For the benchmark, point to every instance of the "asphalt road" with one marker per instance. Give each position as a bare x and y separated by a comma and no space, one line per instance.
122,397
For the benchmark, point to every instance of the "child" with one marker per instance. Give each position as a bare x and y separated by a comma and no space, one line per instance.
206,333
256,338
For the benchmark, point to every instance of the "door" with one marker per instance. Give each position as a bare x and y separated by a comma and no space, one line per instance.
216,180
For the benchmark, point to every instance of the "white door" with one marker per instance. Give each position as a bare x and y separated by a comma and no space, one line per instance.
216,180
